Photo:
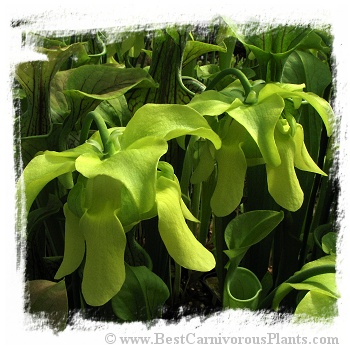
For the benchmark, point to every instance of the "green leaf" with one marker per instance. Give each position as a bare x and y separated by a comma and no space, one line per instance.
324,265
51,298
319,232
104,81
323,261
329,243
316,305
194,49
232,167
248,229
283,184
205,165
210,103
48,165
207,71
293,91
251,227
135,254
302,158
142,295
74,244
180,242
167,121
308,68
134,43
76,197
115,112
104,270
302,67
35,78
135,167
85,87
39,172
323,283
271,46
260,121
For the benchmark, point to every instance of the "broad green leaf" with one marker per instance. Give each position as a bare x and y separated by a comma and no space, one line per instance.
104,270
232,167
104,81
207,71
226,58
51,298
319,232
274,44
39,172
48,165
194,49
276,40
135,167
292,91
129,214
316,305
205,165
74,244
60,107
324,283
166,169
251,227
322,107
302,159
66,180
180,242
133,43
248,229
167,121
76,197
325,260
85,87
324,265
142,295
187,213
210,103
35,78
283,184
303,67
260,121
115,112
311,69
329,243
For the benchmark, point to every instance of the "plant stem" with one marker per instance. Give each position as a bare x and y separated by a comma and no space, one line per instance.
177,283
205,212
232,71
102,128
195,204
219,229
